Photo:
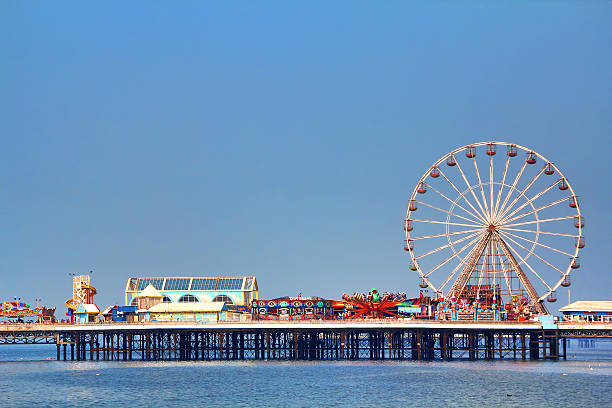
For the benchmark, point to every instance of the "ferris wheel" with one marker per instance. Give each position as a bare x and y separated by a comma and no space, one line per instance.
494,221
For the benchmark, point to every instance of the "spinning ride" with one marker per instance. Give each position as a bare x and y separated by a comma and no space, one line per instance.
372,305
18,310
494,222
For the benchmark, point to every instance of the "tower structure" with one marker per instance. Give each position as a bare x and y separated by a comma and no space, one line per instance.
82,290
82,294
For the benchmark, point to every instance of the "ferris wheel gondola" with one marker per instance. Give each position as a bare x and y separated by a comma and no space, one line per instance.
494,225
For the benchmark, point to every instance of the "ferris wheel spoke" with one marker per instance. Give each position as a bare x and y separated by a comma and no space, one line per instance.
455,203
447,223
461,263
504,217
471,265
477,215
453,273
447,245
522,193
469,186
533,253
540,232
535,210
491,185
444,262
538,221
528,266
484,200
485,259
512,188
447,212
446,234
501,186
536,243
503,269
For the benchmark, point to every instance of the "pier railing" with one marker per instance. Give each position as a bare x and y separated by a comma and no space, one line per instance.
267,323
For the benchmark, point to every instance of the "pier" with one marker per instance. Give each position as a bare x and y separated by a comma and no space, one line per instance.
487,302
355,340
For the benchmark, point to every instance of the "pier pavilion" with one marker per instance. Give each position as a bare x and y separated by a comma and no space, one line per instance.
588,311
238,291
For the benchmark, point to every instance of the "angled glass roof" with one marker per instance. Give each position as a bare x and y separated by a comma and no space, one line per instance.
144,282
230,283
177,283
193,284
204,284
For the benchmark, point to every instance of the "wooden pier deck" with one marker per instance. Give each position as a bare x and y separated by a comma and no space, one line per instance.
386,339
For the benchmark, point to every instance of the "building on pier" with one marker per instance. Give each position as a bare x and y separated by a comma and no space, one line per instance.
119,314
588,311
294,308
237,291
200,312
151,307
86,313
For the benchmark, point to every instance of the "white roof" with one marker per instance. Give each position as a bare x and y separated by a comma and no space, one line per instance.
108,310
150,291
588,306
188,307
88,308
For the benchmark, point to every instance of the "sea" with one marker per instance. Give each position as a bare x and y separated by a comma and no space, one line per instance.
31,377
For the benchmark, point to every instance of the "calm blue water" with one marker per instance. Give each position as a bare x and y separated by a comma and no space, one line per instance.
28,377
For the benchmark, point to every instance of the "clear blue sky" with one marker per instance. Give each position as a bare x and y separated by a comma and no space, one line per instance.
277,139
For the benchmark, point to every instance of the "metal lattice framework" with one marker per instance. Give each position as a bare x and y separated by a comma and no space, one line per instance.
500,221
82,292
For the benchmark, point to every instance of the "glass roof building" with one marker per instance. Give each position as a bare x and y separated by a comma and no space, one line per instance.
232,290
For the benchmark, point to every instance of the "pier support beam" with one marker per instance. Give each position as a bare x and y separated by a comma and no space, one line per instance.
72,347
290,343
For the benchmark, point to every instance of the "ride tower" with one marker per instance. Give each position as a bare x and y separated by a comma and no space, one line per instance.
82,294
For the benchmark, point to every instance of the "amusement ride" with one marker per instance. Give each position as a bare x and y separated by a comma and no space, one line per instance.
82,293
494,223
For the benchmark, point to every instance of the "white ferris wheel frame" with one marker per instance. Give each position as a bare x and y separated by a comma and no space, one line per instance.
502,213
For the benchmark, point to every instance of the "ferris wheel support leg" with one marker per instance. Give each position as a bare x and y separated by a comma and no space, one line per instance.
457,288
531,292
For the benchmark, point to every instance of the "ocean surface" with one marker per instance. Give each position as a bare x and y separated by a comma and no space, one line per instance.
30,376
